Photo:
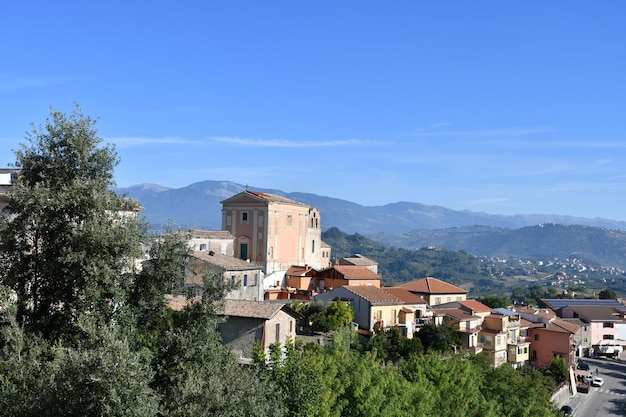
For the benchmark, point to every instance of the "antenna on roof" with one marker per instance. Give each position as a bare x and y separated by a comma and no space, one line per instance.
246,186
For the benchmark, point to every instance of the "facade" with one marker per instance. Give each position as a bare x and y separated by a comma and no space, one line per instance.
376,308
274,232
601,325
552,339
218,241
340,275
248,322
246,276
8,177
435,291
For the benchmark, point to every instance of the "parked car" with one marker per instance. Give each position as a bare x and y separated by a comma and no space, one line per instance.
597,381
582,365
567,410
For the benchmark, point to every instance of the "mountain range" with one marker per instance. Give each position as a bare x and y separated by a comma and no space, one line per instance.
404,224
198,206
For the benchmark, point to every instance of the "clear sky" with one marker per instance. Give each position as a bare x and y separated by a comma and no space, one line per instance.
504,107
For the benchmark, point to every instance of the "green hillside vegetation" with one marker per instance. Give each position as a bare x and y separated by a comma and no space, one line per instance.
481,275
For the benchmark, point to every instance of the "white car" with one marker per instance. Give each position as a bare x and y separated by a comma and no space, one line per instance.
597,381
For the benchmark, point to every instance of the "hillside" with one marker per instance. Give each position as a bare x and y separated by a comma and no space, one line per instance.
593,244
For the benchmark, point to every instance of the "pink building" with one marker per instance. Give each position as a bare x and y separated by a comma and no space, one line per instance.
553,339
274,232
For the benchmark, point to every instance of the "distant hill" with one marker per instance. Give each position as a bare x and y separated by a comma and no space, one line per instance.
198,205
406,225
593,244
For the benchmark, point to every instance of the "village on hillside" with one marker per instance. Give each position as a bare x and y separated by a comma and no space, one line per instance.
271,248
270,251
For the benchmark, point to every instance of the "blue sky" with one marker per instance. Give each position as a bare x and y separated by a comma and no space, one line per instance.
500,107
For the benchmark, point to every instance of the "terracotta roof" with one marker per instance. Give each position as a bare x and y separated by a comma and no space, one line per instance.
559,325
456,313
357,259
475,305
274,198
229,263
300,271
356,272
432,286
404,295
252,309
374,295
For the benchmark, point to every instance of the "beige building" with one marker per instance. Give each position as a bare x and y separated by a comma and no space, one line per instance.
274,232
435,291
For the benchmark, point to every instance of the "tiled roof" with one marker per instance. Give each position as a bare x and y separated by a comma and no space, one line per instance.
456,313
357,259
300,271
229,263
404,295
218,234
475,305
274,198
374,295
252,309
598,313
356,272
432,286
559,325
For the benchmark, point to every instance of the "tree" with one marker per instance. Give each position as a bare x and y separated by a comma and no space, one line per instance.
66,239
607,294
438,338
495,301
335,315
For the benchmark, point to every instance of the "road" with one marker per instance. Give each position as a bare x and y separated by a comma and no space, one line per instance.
610,399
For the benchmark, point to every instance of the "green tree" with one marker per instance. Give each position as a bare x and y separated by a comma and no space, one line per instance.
66,238
335,315
558,370
607,294
495,301
438,338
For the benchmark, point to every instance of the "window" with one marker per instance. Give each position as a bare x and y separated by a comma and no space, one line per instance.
243,251
607,324
459,298
378,315
313,246
233,279
536,337
608,337
437,300
289,220
278,332
448,299
244,216
290,326
245,280
498,340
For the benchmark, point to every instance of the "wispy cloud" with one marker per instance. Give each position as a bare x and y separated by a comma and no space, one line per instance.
9,83
134,141
286,143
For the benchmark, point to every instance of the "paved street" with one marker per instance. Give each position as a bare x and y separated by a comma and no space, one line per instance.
605,401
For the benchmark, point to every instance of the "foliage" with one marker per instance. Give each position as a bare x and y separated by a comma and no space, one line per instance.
558,370
495,301
438,338
388,344
607,294
65,236
335,315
